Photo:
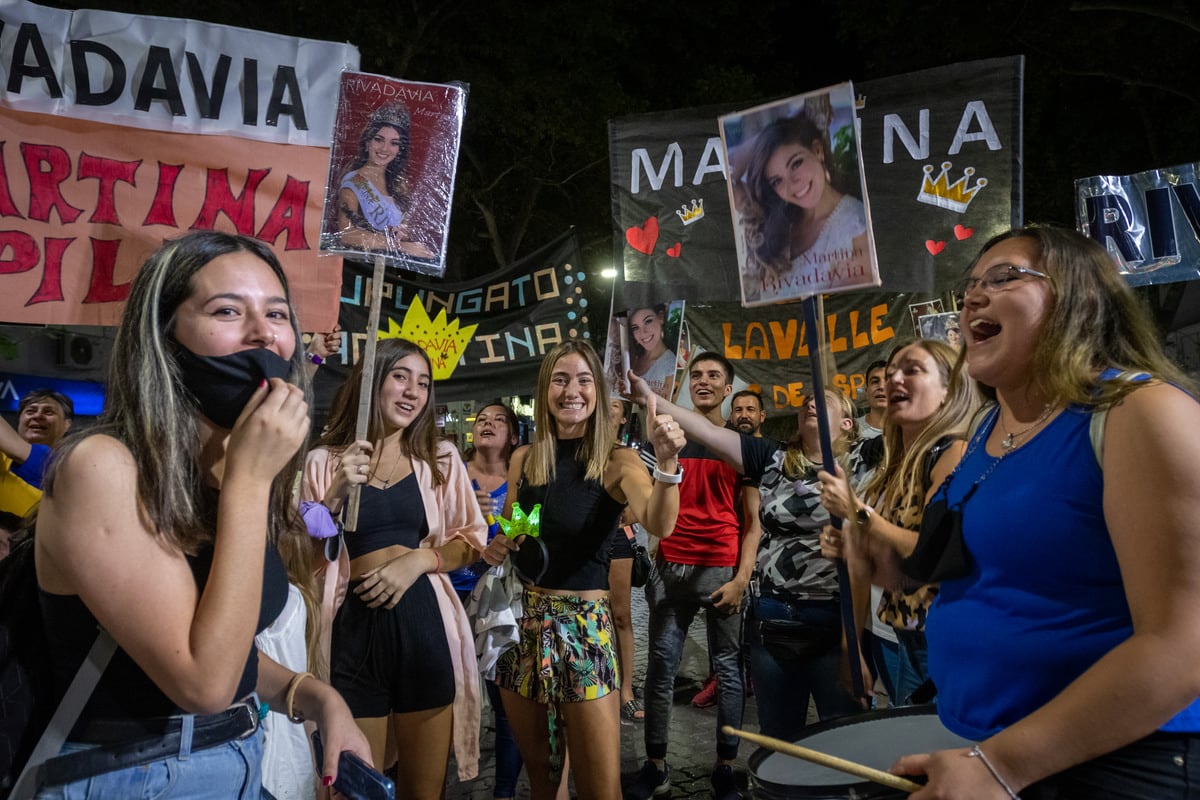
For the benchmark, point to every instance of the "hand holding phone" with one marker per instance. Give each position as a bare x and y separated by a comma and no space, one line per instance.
356,779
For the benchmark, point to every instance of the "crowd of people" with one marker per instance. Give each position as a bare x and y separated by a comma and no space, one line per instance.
259,589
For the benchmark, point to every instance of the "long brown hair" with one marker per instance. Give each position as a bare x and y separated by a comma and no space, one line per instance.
151,412
1095,322
419,440
599,436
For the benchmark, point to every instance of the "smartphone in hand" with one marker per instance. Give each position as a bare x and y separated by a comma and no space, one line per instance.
356,779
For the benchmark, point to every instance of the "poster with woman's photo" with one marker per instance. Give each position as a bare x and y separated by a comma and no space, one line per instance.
923,308
800,213
943,327
391,171
646,341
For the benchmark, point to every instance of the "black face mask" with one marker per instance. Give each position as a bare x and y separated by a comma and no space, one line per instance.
222,385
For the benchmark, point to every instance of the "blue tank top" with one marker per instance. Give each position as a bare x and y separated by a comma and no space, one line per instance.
465,578
1044,599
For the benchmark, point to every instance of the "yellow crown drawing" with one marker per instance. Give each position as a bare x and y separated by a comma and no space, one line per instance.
954,196
689,215
443,341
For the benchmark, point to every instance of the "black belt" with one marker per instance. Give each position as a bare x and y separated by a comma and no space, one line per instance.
158,739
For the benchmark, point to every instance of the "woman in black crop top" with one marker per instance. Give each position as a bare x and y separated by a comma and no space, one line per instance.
583,480
402,651
160,525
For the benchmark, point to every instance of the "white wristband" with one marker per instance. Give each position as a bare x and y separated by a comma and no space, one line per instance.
663,477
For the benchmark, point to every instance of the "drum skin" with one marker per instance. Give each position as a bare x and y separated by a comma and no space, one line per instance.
874,739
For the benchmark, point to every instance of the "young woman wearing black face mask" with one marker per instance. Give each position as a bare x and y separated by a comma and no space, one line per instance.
160,524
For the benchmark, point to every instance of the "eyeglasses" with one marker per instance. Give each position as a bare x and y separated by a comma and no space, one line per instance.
996,278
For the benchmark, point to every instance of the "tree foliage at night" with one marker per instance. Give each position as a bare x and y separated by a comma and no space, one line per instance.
1108,85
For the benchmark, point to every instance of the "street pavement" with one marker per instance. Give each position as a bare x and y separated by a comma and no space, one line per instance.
692,749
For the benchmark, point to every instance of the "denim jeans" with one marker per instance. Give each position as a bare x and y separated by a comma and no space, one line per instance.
782,688
508,757
914,665
674,595
231,771
883,656
1162,766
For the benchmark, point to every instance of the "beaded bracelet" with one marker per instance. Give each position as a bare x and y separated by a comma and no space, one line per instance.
975,752
291,695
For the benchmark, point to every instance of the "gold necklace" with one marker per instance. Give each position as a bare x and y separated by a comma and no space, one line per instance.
1010,439
392,473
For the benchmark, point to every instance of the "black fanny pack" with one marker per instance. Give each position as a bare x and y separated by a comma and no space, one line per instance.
793,640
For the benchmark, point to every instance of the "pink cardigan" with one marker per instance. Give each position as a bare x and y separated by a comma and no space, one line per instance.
452,512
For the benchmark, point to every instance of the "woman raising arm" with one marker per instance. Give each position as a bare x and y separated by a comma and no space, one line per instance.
582,480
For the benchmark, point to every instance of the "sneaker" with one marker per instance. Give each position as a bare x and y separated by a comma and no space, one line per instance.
707,696
649,782
724,785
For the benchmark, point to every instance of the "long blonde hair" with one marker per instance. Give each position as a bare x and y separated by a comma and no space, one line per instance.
796,463
599,435
902,474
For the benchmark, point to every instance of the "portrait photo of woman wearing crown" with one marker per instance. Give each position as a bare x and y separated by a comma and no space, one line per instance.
391,170
373,195
799,203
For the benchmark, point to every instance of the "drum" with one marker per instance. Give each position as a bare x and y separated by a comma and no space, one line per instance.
874,739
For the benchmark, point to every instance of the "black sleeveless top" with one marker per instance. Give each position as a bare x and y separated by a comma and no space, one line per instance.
579,521
395,515
124,691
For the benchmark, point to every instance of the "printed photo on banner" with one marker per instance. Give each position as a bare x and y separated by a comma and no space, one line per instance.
943,327
645,340
391,170
800,214
922,309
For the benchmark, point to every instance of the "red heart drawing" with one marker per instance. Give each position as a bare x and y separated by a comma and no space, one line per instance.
934,247
963,232
673,252
644,238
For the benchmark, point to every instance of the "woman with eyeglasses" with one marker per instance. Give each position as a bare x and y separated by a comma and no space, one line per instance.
1066,641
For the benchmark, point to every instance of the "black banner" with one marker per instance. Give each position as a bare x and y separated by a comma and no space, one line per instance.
941,153
768,350
518,313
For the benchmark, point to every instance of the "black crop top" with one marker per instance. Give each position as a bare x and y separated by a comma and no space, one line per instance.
395,515
124,691
579,519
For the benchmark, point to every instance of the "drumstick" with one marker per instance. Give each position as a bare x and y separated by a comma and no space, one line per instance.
825,760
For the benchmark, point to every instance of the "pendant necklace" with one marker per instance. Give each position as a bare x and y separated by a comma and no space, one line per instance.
392,473
1010,439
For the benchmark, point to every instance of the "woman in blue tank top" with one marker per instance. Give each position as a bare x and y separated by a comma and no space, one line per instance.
493,437
1066,642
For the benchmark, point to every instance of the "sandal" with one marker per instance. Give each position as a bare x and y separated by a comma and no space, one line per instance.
633,711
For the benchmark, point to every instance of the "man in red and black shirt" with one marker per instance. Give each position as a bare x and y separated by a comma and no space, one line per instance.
703,564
